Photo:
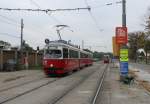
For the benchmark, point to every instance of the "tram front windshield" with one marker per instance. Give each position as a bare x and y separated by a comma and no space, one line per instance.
53,53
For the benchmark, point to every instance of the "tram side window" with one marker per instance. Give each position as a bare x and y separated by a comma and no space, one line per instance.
90,56
83,55
76,54
65,52
73,54
53,53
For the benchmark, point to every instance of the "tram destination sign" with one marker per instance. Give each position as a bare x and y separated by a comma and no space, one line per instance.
121,35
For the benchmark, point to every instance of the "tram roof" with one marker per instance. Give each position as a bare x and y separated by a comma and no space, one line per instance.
67,45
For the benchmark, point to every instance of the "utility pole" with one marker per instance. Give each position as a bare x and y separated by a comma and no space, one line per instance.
22,26
21,45
123,13
124,48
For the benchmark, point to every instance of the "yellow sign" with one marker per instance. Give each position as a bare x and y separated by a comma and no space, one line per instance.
115,47
124,55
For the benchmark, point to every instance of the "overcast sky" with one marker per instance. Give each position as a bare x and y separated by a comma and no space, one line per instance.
95,29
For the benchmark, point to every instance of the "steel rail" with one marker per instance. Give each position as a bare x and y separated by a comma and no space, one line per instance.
100,85
54,101
22,84
33,89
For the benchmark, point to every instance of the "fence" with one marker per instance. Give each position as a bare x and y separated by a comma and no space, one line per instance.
33,58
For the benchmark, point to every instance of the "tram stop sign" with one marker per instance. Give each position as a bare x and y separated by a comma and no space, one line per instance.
123,55
121,35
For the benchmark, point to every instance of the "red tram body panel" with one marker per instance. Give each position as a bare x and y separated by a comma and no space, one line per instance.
61,58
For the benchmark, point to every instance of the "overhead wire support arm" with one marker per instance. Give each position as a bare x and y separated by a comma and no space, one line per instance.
45,10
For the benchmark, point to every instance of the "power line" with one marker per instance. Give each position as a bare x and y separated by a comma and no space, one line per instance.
108,4
35,3
13,24
8,23
7,34
55,19
44,10
95,21
38,31
49,14
92,16
86,2
10,19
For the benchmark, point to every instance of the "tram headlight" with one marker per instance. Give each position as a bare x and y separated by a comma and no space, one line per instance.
51,65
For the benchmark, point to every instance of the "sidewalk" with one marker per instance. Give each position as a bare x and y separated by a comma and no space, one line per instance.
115,92
142,76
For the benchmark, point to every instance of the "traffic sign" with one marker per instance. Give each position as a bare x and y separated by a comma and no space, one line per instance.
121,35
124,68
115,47
124,55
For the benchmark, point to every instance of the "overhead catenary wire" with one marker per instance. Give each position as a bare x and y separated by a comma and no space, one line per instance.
49,14
108,4
7,34
45,10
13,22
92,16
7,18
6,22
33,2
55,19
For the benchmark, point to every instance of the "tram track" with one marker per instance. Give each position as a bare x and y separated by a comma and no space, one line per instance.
99,87
54,101
20,81
22,84
57,93
28,91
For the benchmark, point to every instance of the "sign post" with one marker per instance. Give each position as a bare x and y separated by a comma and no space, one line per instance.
121,40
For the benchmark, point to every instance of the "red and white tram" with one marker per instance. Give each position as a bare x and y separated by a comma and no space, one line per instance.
61,58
